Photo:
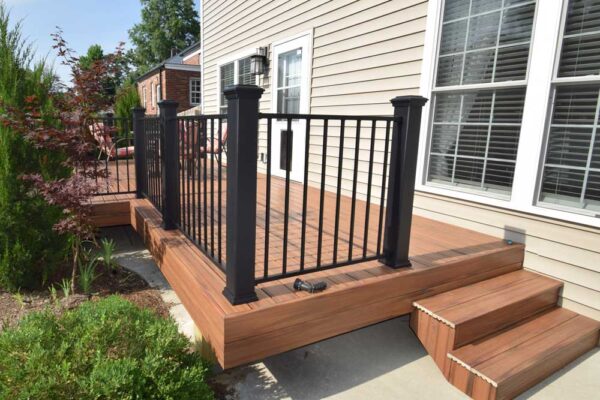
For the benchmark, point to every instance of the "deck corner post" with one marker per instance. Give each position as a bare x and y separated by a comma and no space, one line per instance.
138,114
242,145
170,163
401,187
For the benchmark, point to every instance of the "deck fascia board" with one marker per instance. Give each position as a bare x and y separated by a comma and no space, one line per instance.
245,333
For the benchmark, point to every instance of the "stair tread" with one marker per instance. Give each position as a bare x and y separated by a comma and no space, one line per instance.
466,293
534,342
483,349
491,296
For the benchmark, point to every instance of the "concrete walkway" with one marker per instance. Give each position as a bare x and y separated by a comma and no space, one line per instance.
383,361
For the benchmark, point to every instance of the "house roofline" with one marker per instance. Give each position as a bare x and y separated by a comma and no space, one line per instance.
166,64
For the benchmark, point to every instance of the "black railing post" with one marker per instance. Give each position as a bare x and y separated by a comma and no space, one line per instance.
242,147
139,141
401,186
170,163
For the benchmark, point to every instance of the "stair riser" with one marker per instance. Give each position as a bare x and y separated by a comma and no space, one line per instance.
436,337
501,318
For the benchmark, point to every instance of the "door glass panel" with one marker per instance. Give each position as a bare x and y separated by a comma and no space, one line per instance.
289,73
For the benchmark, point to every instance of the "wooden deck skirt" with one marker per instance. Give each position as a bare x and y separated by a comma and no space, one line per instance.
443,257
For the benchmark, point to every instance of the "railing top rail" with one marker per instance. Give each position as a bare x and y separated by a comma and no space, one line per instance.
329,116
201,116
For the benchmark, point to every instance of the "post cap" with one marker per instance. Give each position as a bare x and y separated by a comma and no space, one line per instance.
243,92
400,101
168,103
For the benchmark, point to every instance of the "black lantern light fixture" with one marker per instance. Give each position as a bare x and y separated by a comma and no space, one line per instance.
258,61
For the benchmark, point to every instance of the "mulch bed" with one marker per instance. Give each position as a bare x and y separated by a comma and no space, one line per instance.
14,306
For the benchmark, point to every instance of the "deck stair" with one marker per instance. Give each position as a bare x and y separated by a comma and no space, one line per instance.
497,338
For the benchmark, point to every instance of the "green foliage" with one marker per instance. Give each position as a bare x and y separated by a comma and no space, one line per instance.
65,286
107,249
165,24
30,249
117,77
102,350
87,273
127,98
94,54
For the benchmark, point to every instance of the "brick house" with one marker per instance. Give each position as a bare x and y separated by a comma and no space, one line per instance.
177,78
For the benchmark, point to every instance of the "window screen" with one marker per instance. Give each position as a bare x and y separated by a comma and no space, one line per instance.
571,172
227,79
475,129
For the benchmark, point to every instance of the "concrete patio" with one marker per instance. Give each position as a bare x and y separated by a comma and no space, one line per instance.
383,361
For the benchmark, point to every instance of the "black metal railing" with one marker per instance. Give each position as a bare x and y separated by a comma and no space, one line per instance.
115,151
347,227
202,182
351,203
150,161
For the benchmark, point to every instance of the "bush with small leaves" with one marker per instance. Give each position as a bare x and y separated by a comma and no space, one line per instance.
108,349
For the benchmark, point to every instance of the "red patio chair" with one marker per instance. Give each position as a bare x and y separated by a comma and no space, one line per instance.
107,145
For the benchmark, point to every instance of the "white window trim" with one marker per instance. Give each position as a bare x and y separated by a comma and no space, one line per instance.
190,91
144,96
547,31
232,59
153,94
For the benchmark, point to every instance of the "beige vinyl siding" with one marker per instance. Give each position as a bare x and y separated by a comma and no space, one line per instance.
568,252
364,54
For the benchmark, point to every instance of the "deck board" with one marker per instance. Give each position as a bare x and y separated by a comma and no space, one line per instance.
443,257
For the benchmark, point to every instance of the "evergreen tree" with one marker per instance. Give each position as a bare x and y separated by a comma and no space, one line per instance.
166,24
29,247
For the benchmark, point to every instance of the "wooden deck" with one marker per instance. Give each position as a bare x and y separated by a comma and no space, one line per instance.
444,257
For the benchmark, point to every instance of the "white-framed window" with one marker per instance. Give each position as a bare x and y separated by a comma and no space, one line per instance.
158,92
554,156
236,72
289,81
479,94
144,96
570,176
195,91
153,94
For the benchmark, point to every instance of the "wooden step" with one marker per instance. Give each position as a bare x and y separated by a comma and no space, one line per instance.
503,365
477,310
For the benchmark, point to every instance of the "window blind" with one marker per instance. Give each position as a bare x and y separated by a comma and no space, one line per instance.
475,133
571,171
580,55
475,137
571,175
227,79
484,41
245,76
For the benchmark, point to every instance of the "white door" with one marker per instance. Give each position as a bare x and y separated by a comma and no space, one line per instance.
291,68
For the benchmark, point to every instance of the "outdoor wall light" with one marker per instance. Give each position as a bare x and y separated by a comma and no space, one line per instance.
258,61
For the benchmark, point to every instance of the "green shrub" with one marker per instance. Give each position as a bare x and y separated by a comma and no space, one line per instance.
29,247
126,99
108,349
